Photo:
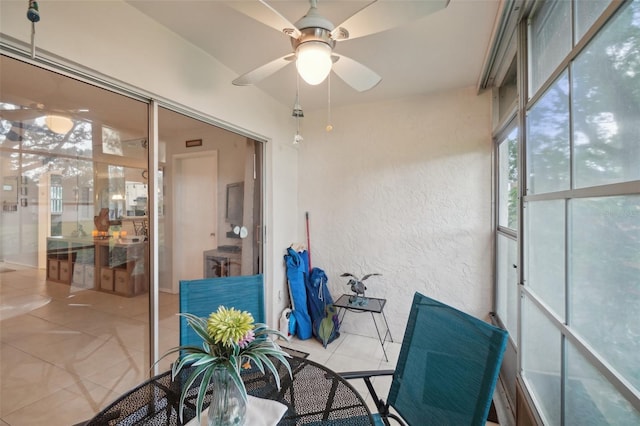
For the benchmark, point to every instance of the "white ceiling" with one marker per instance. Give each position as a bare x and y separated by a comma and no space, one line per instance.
441,51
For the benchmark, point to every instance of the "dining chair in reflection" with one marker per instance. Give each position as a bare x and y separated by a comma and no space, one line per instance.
203,296
447,368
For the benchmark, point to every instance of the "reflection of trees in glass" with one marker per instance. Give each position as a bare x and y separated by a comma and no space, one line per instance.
512,146
34,135
37,141
606,103
548,140
605,278
508,180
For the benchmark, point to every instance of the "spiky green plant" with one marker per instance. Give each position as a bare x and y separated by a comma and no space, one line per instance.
230,340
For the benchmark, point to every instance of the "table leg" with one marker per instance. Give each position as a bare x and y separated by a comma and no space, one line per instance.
387,325
343,311
379,337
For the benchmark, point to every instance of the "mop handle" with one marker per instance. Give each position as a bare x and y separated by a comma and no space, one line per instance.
308,240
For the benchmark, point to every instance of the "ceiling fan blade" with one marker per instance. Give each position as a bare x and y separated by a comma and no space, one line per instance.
355,74
256,75
263,12
383,15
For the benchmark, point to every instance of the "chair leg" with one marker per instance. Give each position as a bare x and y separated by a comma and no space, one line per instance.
382,407
396,418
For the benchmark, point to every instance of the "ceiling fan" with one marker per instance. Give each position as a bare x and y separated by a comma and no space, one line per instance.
313,38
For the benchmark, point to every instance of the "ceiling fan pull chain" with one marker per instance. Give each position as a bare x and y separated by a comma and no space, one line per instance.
329,125
298,114
33,14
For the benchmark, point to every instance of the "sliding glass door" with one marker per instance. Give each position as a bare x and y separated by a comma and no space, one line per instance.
78,226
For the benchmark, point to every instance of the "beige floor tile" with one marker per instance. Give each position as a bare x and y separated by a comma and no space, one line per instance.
94,395
26,379
61,408
24,326
32,342
309,345
7,291
121,376
169,299
124,306
83,354
360,347
56,290
320,357
341,363
167,339
55,308
21,303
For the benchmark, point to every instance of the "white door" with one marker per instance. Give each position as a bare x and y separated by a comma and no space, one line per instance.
196,213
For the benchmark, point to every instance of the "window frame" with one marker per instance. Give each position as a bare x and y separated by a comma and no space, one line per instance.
569,335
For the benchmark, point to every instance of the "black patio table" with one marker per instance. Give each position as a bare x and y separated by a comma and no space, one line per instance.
314,396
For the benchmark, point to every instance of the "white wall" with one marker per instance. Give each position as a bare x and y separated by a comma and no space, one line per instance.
402,188
114,39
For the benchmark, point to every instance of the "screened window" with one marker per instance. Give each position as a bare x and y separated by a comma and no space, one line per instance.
586,13
508,181
545,252
548,140
606,104
605,279
507,237
582,216
550,40
542,362
507,284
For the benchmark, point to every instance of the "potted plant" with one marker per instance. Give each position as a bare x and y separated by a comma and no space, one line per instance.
231,342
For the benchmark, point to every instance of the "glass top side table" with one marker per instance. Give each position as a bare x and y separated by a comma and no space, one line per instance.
359,304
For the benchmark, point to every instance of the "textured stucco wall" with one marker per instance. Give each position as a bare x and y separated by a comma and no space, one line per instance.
402,188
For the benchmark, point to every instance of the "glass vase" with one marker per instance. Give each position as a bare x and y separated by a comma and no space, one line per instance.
227,407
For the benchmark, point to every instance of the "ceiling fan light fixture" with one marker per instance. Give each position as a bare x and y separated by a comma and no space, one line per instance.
313,61
58,124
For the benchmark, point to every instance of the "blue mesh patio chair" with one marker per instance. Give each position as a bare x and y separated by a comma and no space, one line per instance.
201,297
447,369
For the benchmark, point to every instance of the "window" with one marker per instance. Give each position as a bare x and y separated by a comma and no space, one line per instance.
550,40
507,237
548,140
56,194
606,104
582,215
508,181
507,220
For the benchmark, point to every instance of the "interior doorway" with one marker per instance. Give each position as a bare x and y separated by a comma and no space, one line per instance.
214,208
196,207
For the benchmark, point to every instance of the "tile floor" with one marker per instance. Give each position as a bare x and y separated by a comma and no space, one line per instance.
66,353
